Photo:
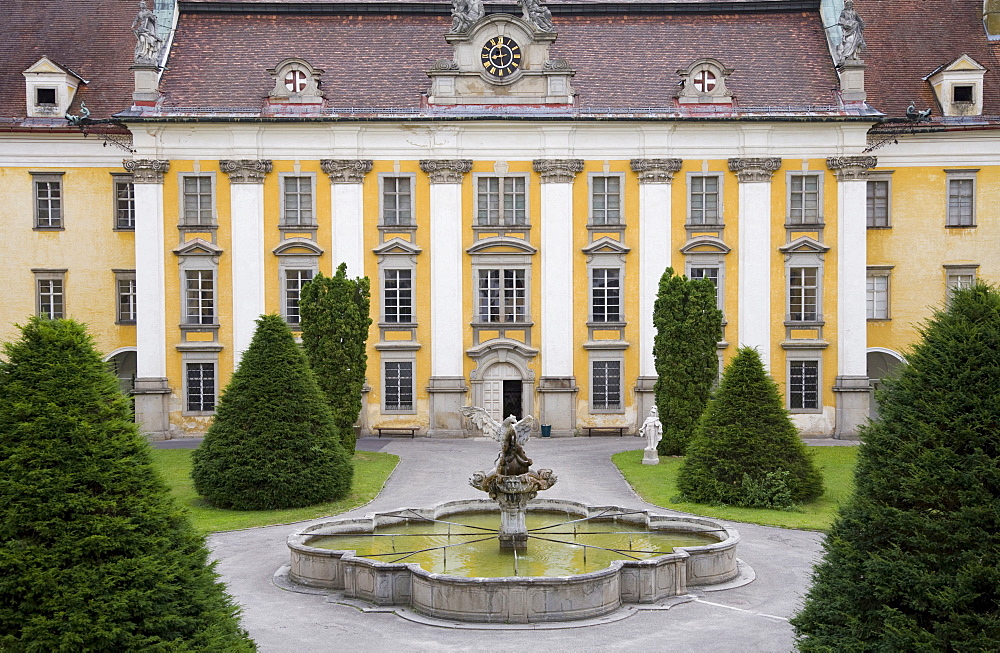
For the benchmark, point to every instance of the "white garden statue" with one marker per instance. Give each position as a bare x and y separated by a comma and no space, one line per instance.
653,430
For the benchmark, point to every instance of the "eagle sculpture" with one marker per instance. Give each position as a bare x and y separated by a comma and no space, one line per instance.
512,434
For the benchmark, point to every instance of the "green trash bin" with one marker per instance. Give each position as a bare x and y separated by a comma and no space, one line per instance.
546,430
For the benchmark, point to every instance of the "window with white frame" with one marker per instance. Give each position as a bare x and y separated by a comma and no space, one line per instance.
877,203
124,202
959,276
605,295
502,295
48,197
961,198
803,294
877,297
199,297
197,201
298,201
125,297
398,386
704,200
606,385
606,200
712,274
294,280
501,201
805,198
199,387
397,201
803,385
397,295
50,287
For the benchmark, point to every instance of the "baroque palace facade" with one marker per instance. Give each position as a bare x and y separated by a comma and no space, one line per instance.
514,180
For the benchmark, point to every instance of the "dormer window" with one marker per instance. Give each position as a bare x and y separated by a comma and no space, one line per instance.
959,87
45,96
704,82
49,89
296,82
961,93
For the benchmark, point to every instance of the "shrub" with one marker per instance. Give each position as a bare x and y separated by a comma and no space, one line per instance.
746,451
688,329
94,554
273,443
912,562
335,320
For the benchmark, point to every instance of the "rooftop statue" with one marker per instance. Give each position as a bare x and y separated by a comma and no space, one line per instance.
537,14
852,42
147,47
465,14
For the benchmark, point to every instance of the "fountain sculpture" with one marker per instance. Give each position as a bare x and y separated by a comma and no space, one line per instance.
511,483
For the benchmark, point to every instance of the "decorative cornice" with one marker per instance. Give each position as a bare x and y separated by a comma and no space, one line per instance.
146,171
656,171
346,171
246,171
557,171
754,169
447,171
849,168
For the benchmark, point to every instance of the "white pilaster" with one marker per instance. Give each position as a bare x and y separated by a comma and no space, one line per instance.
347,206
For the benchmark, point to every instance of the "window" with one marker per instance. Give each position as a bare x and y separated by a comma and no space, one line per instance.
607,385
398,387
199,301
501,296
297,207
803,384
712,274
606,295
200,387
294,280
961,202
606,201
878,203
878,295
45,96
704,206
804,199
803,291
397,201
961,94
48,201
50,297
124,203
501,201
959,276
125,297
398,294
197,204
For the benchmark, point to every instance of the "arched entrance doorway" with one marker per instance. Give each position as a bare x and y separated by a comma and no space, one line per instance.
881,363
123,366
502,394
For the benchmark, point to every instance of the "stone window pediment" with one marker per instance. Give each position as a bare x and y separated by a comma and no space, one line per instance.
297,247
296,82
397,246
704,82
705,245
197,247
501,245
606,245
804,245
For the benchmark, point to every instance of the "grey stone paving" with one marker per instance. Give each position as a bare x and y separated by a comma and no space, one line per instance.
750,618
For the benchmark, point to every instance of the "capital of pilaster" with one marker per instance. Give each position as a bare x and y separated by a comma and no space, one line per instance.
849,168
246,171
446,171
754,169
146,171
346,171
557,171
656,171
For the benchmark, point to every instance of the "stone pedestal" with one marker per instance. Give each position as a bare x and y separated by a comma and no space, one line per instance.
447,396
644,397
557,404
513,493
152,413
649,457
853,399
513,529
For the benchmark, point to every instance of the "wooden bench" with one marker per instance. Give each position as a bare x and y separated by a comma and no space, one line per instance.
400,430
590,429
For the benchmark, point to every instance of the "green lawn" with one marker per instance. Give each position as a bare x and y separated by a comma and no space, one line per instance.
371,470
657,484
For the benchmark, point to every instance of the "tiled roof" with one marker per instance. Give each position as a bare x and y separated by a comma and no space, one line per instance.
219,60
93,38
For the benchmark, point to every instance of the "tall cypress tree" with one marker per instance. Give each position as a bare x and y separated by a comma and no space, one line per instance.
94,554
912,562
746,451
688,329
335,319
273,443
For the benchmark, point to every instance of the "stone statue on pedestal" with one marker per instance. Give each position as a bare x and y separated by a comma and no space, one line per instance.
653,430
147,47
852,42
537,14
465,14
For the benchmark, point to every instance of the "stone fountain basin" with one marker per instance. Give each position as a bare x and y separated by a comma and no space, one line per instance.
515,599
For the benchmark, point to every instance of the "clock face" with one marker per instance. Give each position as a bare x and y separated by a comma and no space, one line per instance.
501,56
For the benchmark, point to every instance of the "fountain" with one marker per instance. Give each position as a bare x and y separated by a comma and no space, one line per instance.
547,560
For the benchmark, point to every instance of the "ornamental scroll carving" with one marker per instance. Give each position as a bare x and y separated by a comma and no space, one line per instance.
346,171
849,168
246,171
146,171
754,169
557,171
656,171
448,171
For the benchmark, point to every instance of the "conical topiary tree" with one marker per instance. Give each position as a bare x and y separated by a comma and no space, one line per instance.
335,320
94,554
746,451
688,329
912,562
273,443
